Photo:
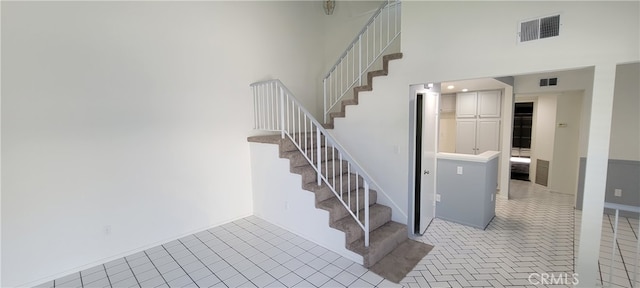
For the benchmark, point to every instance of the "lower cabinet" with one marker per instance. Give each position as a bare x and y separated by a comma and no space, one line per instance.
475,136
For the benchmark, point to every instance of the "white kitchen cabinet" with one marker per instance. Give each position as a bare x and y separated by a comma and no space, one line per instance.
489,104
478,121
477,136
485,104
466,104
466,136
447,103
488,135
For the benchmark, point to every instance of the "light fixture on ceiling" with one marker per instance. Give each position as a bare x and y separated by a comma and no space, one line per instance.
451,87
430,85
465,90
328,6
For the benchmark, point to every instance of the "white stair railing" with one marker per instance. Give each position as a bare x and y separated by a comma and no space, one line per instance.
277,109
632,279
379,32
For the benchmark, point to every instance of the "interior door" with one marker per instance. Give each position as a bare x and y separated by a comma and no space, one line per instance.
429,150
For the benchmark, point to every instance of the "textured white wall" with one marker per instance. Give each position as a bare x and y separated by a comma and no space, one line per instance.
566,159
134,115
625,126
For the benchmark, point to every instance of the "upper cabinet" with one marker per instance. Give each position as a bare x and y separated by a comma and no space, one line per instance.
478,121
466,104
489,104
485,104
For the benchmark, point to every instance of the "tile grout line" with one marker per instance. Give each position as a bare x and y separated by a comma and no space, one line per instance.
185,271
132,272
222,258
200,260
156,267
107,273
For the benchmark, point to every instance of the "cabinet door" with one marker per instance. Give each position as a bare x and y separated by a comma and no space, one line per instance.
466,104
489,104
488,135
466,136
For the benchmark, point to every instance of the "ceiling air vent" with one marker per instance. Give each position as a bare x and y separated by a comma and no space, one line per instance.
539,28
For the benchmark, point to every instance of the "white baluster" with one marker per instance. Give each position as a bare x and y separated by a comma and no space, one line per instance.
366,214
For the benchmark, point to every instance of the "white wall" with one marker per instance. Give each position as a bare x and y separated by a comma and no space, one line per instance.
566,159
134,115
379,143
625,125
479,38
545,130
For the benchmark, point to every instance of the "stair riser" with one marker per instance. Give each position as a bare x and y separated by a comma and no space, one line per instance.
386,246
353,231
287,145
298,159
347,185
310,175
323,192
338,212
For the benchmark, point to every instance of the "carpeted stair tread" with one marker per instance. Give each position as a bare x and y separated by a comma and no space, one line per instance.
380,215
323,192
338,211
309,173
297,158
267,139
337,114
381,241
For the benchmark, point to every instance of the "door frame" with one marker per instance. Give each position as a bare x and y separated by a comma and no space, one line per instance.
414,202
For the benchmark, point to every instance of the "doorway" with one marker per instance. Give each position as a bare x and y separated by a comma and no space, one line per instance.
424,124
521,141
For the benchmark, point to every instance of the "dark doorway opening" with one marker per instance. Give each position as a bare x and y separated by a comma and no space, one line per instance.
418,162
521,141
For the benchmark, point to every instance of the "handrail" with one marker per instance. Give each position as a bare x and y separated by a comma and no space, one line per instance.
277,109
335,83
618,208
355,39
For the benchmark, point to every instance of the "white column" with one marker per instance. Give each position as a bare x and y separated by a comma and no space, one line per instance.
507,130
595,174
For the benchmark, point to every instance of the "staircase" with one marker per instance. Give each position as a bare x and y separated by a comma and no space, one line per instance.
385,235
340,185
356,90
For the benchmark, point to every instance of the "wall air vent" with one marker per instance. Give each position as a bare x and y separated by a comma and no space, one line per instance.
549,82
539,28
